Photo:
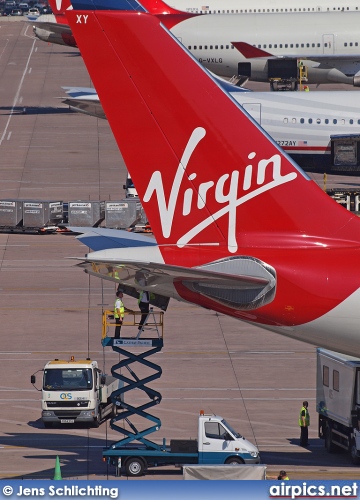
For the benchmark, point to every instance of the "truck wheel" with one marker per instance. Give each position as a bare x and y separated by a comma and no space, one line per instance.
135,467
97,421
234,461
354,456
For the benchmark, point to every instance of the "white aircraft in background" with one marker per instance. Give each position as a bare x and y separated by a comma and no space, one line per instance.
328,43
262,6
239,227
302,123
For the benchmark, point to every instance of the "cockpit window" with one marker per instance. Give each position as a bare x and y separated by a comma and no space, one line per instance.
68,379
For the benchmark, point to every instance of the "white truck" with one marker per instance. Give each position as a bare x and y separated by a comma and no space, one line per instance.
76,391
129,187
217,444
338,401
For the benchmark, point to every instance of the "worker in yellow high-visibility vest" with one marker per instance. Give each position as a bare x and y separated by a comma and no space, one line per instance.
304,422
119,310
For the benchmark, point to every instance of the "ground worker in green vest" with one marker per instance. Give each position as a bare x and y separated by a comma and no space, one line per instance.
283,476
304,422
119,310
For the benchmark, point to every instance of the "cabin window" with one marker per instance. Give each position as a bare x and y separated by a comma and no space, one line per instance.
293,120
221,47
211,47
297,45
336,380
302,45
313,45
275,45
200,47
310,120
214,430
342,121
318,121
270,45
286,45
291,45
280,45
189,47
351,44
345,44
318,45
351,121
302,120
326,376
286,120
264,45
216,46
195,47
308,45
334,121
356,44
205,47
326,121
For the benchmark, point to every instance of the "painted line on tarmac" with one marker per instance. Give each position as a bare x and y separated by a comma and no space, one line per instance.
17,93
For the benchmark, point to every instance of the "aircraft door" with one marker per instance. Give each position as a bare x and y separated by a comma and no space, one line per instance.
328,44
254,109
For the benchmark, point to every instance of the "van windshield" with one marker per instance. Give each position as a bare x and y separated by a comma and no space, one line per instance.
233,432
68,379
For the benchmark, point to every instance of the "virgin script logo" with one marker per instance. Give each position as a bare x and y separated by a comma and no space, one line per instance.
253,185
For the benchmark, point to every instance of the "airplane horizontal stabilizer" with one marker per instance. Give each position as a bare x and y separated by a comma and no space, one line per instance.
53,27
241,282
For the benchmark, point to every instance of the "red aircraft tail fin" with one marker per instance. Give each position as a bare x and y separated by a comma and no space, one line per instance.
212,183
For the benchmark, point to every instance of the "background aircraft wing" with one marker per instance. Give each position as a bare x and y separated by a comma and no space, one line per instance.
346,63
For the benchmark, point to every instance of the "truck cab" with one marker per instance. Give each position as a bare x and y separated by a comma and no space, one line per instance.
219,443
75,391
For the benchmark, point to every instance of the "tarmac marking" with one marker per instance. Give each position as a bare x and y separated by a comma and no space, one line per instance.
17,94
3,50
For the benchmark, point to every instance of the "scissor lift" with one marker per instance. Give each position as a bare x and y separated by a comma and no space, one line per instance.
152,343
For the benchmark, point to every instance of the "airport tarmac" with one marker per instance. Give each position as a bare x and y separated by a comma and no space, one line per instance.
50,308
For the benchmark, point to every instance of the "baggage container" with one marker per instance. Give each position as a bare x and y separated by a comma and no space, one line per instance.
86,213
122,214
42,213
11,213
